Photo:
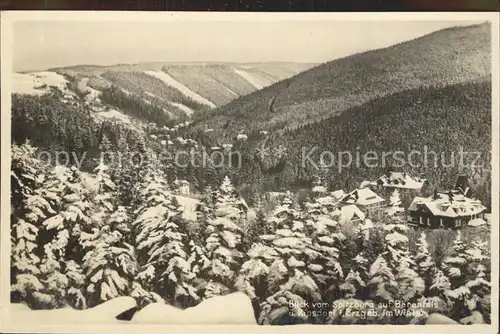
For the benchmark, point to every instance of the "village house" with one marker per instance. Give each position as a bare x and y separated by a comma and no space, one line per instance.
398,180
452,209
365,199
350,214
342,214
338,194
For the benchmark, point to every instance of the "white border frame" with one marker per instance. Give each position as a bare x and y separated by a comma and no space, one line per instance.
8,17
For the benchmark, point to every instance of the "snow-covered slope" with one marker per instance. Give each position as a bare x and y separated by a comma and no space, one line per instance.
113,113
232,309
182,107
167,79
37,83
187,110
104,313
257,81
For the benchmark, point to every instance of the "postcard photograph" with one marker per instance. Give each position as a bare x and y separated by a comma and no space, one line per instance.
257,171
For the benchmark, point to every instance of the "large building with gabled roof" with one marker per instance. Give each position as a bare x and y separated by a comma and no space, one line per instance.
364,198
451,209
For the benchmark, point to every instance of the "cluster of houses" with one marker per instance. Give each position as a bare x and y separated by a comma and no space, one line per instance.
455,208
451,209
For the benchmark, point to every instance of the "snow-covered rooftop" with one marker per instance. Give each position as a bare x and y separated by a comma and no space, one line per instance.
319,189
444,205
350,212
338,194
326,200
400,180
363,197
477,222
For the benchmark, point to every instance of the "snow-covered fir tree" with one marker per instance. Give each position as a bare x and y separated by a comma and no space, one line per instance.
106,147
258,226
206,206
224,241
252,277
319,188
204,212
123,176
76,283
135,163
25,168
440,284
228,201
410,285
479,282
352,291
394,209
200,264
455,265
161,242
73,221
320,183
393,275
426,267
31,204
355,281
480,290
105,196
110,263
290,284
63,236
382,279
324,264
456,268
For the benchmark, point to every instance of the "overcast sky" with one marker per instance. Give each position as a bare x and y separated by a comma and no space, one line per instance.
41,45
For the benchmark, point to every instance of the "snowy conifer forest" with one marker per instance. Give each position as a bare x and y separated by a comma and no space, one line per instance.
76,243
98,215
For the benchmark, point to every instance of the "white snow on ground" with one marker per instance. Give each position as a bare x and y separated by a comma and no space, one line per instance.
113,113
27,83
104,313
188,205
254,80
92,94
167,79
232,309
83,84
226,88
439,319
182,107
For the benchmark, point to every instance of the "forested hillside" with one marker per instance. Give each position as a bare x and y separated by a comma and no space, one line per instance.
197,86
445,120
71,131
442,58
